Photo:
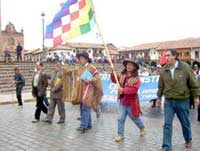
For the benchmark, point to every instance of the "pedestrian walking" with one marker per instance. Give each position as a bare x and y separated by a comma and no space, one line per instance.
39,85
19,82
176,83
128,98
88,90
56,96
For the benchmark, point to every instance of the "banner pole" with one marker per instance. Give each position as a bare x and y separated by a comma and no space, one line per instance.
105,46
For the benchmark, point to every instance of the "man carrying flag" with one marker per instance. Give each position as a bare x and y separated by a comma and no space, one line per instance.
74,19
88,89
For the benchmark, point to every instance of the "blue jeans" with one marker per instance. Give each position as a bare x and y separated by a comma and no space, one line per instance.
86,120
123,112
181,108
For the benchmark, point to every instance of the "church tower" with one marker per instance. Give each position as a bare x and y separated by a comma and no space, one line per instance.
9,38
0,33
0,17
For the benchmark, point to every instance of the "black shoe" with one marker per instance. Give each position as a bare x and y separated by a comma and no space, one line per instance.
81,129
47,121
79,118
60,122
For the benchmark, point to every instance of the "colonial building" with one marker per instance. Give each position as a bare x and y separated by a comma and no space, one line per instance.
189,49
9,39
94,50
144,52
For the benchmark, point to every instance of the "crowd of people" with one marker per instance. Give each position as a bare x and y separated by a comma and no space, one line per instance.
178,83
71,59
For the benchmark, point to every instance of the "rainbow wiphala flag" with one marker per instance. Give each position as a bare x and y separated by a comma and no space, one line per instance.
74,19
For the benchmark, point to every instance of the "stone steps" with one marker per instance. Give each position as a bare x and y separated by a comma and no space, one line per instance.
27,69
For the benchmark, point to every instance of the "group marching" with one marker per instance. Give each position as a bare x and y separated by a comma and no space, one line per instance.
81,85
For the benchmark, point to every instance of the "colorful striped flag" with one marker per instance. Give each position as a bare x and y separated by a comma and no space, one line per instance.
74,19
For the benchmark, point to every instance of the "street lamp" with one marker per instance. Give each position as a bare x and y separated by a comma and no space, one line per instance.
43,47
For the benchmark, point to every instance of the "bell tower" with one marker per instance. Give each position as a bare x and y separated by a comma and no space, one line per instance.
0,17
0,32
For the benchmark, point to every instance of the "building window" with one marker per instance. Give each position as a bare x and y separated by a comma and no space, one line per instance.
146,54
196,54
186,54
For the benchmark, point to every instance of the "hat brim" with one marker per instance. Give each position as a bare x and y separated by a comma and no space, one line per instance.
82,55
135,64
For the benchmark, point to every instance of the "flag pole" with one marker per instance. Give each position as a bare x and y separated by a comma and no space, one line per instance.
106,48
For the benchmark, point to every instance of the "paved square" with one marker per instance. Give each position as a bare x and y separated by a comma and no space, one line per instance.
18,133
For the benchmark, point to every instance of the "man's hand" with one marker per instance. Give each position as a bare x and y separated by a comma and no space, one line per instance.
158,103
196,101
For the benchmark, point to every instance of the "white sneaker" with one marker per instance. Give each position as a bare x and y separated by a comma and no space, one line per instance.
20,106
142,132
35,121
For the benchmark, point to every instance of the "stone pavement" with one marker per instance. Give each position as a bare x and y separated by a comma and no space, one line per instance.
17,133
11,97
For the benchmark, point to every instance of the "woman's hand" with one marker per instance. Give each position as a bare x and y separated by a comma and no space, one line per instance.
120,90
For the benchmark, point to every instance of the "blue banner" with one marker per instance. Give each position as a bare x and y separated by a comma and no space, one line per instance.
148,88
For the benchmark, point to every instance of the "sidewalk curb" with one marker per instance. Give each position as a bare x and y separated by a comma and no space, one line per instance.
14,102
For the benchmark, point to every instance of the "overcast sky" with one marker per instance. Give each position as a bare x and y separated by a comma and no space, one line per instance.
124,23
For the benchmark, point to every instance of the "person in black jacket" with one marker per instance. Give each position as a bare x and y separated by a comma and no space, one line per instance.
39,86
19,52
19,82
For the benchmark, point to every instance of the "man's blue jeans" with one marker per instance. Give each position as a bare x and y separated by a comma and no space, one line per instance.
123,112
181,108
86,120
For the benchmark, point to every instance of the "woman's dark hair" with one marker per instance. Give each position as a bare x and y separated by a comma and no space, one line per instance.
133,74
